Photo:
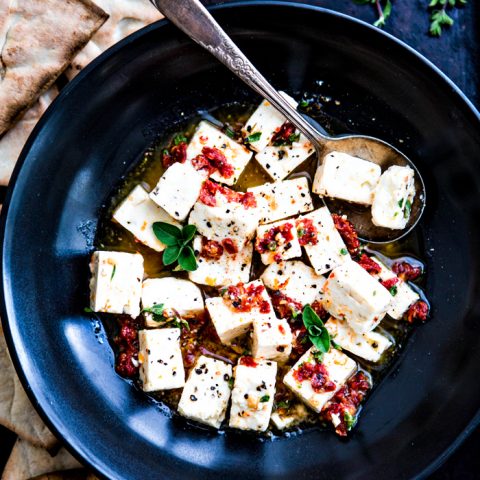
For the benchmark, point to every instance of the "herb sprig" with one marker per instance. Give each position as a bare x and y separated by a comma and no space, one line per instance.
317,333
383,7
158,314
178,242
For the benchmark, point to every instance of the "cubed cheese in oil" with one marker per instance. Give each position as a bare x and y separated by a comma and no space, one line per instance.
348,178
237,155
253,394
271,339
351,293
279,248
207,392
283,199
116,282
160,358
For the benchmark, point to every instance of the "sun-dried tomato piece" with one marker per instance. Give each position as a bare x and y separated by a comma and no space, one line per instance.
274,238
208,192
371,266
230,246
285,307
406,271
126,363
285,135
210,189
390,282
307,232
417,311
211,249
248,361
347,232
317,374
244,299
218,161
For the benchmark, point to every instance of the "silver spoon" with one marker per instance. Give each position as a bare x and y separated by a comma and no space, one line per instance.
194,19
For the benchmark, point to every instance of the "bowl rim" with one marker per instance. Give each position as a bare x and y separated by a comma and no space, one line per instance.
67,439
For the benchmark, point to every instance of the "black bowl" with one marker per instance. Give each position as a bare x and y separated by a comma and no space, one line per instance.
98,128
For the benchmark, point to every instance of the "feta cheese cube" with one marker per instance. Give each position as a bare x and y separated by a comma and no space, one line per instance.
330,251
160,358
253,394
264,123
277,241
237,155
178,189
404,296
279,162
271,339
294,279
295,415
393,198
227,219
137,213
338,367
369,345
351,293
349,178
229,268
181,296
116,282
283,199
206,392
230,322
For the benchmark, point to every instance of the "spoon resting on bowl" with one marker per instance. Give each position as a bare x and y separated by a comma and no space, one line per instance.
195,20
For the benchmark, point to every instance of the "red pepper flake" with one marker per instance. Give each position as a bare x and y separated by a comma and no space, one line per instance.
248,362
127,343
281,329
211,249
389,283
407,271
275,238
212,159
230,246
347,232
285,307
307,232
417,311
285,135
371,266
177,153
210,189
317,374
244,299
344,404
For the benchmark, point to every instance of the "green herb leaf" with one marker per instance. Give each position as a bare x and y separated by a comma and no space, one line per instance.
188,232
303,104
349,419
179,139
282,404
272,246
254,137
393,290
343,251
187,259
294,137
114,270
171,254
318,356
407,209
318,334
321,342
265,398
168,234
229,132
230,382
88,310
156,311
400,202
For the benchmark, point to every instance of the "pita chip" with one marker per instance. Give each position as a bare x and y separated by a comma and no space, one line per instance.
16,411
27,461
12,142
125,17
38,40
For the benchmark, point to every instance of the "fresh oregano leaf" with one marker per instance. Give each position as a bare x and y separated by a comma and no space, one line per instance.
168,234
171,254
187,260
188,232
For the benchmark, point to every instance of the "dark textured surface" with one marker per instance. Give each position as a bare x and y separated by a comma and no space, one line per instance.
457,54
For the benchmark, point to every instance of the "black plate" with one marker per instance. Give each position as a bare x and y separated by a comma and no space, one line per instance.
96,131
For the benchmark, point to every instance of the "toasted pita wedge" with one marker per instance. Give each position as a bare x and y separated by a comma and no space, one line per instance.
126,17
27,461
38,40
12,142
16,411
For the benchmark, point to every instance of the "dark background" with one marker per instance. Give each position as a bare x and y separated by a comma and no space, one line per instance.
457,54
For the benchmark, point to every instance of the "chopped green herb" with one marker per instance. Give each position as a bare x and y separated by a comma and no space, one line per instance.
223,291
165,151
294,137
317,333
349,420
407,209
300,232
393,290
179,139
265,398
400,202
156,311
343,251
294,313
272,246
282,404
114,270
229,132
254,137
88,310
318,356
303,103
230,382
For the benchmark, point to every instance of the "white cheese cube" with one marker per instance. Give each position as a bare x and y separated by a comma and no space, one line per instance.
160,358
137,213
116,282
226,270
295,280
206,392
404,296
349,178
227,219
369,346
253,394
230,322
351,293
264,123
283,199
330,251
178,189
277,241
338,368
271,339
237,155
393,198
294,416
279,162
180,296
